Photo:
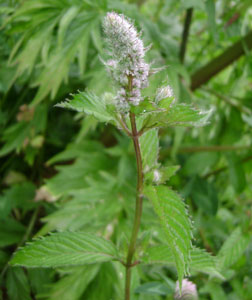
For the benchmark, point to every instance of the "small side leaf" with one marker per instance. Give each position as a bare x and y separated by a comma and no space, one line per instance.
65,249
176,224
90,104
201,261
177,115
161,175
149,149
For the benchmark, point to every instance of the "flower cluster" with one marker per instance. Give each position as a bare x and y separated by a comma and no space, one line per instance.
188,292
126,66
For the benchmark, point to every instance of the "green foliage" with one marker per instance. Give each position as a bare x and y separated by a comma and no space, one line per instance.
73,248
65,171
176,225
205,196
233,248
74,284
71,21
18,285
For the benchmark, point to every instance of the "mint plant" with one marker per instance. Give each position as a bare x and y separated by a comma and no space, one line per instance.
139,118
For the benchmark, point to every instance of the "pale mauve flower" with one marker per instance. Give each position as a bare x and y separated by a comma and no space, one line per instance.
127,52
188,291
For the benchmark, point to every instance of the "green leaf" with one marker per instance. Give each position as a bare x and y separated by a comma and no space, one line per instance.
200,163
236,173
233,248
201,261
17,284
90,104
175,222
65,249
73,285
193,3
176,115
205,196
11,232
40,279
149,149
215,290
4,257
98,290
210,9
20,196
153,288
65,21
14,137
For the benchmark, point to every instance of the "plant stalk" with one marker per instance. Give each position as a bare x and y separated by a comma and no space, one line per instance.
138,209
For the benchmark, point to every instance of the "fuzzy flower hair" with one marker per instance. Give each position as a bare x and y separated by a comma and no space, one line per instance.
127,53
188,292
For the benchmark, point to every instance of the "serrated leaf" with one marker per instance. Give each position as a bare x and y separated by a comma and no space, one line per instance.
175,222
90,104
177,115
149,149
201,261
65,249
233,248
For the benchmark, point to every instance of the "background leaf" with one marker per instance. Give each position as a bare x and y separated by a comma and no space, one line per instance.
233,248
17,285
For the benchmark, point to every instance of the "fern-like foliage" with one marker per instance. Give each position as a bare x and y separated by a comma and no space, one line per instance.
54,34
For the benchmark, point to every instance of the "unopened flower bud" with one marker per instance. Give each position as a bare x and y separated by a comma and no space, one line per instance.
164,92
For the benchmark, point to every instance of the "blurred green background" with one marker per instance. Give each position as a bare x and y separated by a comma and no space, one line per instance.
63,171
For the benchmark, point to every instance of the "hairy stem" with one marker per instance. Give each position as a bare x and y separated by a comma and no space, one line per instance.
138,210
139,201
